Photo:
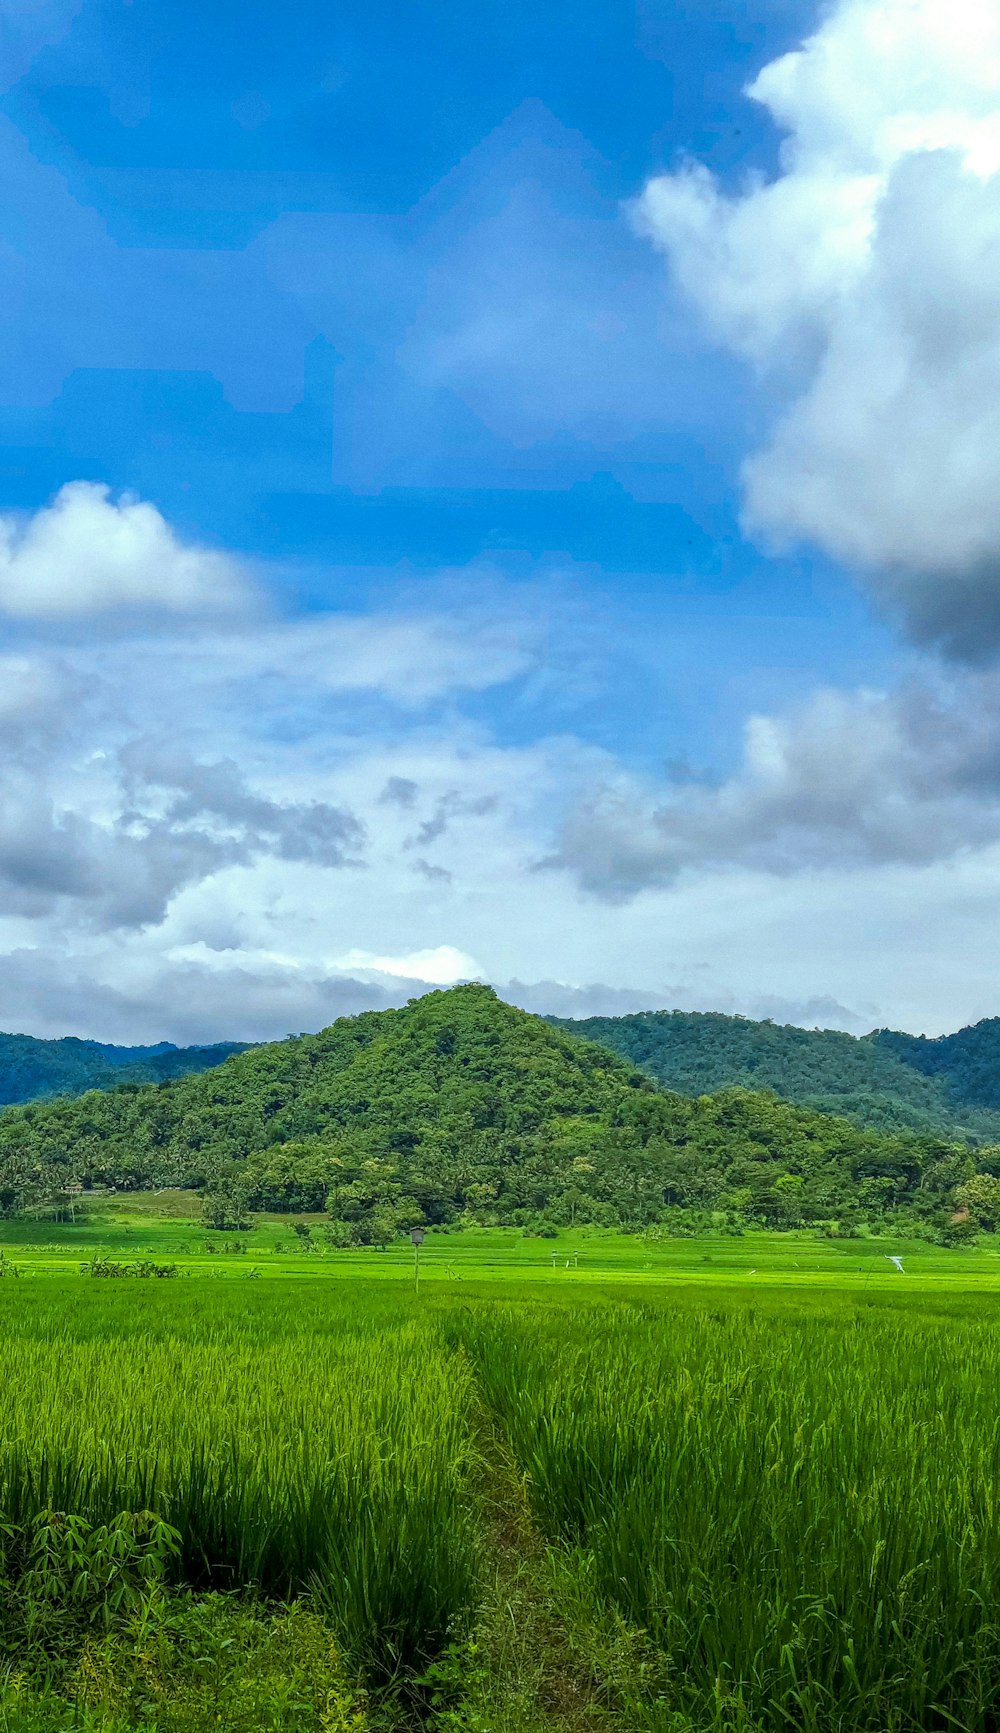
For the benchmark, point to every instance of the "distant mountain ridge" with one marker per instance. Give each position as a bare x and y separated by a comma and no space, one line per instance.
886,1081
458,1107
967,1063
33,1069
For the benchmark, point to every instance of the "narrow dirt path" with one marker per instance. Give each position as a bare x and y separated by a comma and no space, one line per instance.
539,1664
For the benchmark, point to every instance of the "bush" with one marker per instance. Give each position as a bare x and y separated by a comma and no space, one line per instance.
64,1575
142,1268
187,1664
204,1665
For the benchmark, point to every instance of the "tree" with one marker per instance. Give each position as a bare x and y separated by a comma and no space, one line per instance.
224,1209
788,1187
384,1224
458,1103
981,1197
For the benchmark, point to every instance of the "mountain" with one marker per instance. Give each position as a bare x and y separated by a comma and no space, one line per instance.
460,1106
965,1065
31,1068
885,1081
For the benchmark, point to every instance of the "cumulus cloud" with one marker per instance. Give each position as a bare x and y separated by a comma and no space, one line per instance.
441,964
103,875
865,280
245,822
182,1001
89,553
178,807
434,874
850,780
185,1000
171,823
35,695
139,763
399,791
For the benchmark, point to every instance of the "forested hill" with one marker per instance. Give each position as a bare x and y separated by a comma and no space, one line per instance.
966,1064
884,1080
460,1106
32,1068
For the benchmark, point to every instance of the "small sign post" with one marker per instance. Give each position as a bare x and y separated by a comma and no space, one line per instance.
418,1236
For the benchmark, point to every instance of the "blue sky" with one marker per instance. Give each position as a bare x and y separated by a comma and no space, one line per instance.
362,294
446,379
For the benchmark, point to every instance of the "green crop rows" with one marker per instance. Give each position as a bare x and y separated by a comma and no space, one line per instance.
782,1505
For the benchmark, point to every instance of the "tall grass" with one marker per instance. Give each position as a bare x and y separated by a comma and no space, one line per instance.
333,1462
805,1513
800,1504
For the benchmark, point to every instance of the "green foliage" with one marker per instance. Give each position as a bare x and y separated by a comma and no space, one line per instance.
462,1108
197,1666
966,1064
186,1664
796,1508
765,1509
64,1563
333,1461
980,1195
883,1081
32,1069
141,1268
226,1206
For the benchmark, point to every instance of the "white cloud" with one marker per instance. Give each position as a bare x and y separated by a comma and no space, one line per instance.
183,1000
410,657
190,1001
441,964
141,764
849,780
88,553
255,947
181,812
406,654
34,694
866,280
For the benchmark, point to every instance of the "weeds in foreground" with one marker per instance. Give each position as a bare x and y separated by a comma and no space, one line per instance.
334,1466
183,1664
527,1517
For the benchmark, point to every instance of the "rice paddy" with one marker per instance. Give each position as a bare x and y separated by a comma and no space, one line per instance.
802,1511
779,1503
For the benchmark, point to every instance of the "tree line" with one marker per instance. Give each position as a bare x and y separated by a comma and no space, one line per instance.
460,1108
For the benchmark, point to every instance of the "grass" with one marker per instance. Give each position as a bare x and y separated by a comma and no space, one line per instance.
161,1226
287,1457
801,1510
746,1486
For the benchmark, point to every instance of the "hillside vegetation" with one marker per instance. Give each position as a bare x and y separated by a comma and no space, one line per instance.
33,1069
966,1065
461,1107
886,1081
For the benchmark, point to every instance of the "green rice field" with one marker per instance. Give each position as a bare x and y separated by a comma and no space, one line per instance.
159,1226
742,1485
